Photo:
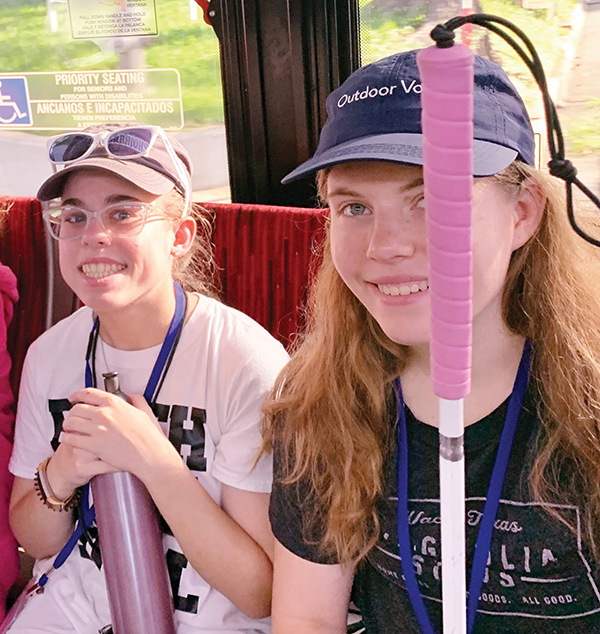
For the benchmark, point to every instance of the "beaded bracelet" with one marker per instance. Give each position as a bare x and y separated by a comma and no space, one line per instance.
45,493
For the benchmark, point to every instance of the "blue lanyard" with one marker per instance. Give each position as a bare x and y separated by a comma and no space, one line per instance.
165,355
87,513
484,536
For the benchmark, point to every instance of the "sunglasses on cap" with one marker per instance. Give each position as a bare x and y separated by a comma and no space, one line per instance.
120,144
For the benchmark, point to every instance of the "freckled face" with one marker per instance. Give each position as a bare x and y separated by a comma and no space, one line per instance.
379,245
110,272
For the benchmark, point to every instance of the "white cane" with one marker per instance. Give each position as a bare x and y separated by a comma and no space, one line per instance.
447,122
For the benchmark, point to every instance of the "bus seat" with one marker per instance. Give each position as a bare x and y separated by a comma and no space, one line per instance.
265,255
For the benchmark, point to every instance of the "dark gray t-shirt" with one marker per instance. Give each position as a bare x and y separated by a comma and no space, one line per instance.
540,579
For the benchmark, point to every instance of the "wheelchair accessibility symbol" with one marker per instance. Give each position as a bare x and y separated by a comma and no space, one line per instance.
14,102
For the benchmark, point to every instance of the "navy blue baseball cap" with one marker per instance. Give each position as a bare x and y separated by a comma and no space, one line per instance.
375,115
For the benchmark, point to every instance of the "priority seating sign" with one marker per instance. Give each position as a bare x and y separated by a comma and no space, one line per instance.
64,100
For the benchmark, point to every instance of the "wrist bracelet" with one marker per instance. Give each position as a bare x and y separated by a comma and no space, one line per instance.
45,493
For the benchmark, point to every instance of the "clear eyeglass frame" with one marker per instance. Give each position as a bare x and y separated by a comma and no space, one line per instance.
69,222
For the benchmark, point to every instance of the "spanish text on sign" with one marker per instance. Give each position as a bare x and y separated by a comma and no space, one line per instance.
66,100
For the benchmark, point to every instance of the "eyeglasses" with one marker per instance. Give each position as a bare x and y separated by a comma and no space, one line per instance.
68,222
122,144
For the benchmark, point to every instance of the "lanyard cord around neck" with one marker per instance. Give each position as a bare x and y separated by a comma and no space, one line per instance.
165,356
87,513
486,528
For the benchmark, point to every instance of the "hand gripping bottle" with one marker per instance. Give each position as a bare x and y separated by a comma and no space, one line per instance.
133,559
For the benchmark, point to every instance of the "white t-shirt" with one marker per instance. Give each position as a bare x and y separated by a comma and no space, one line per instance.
224,366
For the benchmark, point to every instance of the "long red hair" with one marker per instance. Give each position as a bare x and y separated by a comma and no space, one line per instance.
329,412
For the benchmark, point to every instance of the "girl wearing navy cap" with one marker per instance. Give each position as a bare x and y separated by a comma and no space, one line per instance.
337,422
120,213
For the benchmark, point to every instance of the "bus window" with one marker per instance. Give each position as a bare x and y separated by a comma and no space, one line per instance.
68,64
564,33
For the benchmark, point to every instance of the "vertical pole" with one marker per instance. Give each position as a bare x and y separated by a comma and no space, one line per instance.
280,59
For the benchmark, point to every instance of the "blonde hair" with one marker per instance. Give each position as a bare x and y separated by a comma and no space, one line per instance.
196,270
329,413
5,205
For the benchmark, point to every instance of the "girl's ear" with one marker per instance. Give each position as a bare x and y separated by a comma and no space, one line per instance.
529,208
185,232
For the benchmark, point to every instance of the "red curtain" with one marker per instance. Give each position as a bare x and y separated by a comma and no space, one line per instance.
265,255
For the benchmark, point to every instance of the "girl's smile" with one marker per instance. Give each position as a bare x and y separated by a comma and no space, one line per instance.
379,244
403,289
400,292
113,272
101,268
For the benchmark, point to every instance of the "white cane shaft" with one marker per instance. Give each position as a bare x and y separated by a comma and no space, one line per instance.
452,502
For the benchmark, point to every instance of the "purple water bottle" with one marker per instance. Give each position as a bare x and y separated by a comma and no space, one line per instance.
134,563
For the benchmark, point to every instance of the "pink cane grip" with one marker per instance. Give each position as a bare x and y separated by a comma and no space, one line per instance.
453,333
446,186
452,265
452,132
453,234
447,121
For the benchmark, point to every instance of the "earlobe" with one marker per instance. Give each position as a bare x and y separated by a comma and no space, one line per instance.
185,233
529,208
